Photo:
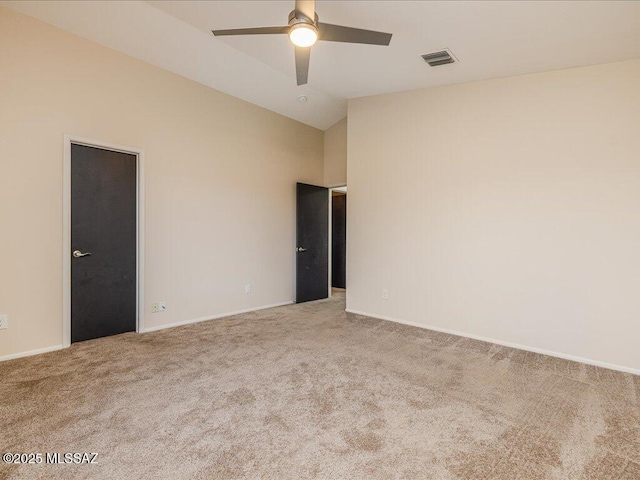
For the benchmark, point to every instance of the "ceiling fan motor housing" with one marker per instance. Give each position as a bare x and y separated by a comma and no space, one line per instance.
296,17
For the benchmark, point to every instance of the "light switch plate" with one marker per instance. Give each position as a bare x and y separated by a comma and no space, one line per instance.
4,322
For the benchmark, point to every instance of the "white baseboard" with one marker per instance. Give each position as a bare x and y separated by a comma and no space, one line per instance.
151,329
564,356
28,353
214,317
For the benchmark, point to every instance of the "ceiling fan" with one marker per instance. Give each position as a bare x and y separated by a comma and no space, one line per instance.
304,30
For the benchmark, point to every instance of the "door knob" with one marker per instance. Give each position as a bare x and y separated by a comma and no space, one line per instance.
78,254
301,249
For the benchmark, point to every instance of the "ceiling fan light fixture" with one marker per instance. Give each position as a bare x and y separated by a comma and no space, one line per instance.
303,35
304,30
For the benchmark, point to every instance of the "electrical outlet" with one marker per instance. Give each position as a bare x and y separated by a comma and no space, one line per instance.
155,308
163,306
247,289
385,293
4,322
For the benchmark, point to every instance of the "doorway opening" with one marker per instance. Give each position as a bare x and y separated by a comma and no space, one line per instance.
321,242
338,255
103,239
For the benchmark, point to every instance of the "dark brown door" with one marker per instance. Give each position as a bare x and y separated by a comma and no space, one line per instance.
103,242
312,251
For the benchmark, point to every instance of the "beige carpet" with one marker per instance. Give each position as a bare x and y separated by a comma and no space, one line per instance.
306,391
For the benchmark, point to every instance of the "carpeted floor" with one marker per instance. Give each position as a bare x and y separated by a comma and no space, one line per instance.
307,391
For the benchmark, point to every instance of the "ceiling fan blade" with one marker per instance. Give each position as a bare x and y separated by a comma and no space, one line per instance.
338,33
302,64
252,31
306,7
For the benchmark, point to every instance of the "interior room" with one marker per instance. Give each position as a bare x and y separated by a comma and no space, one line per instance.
185,292
339,238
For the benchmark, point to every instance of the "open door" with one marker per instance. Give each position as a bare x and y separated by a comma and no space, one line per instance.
312,249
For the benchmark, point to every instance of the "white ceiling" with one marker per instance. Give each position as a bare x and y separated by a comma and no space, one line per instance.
490,39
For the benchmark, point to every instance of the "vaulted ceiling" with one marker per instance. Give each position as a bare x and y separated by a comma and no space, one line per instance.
490,40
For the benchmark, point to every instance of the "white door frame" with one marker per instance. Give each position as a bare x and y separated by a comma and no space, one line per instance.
66,229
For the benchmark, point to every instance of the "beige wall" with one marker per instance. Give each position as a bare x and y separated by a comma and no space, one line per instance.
220,180
335,154
507,209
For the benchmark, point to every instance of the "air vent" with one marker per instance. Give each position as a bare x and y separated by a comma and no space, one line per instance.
439,58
